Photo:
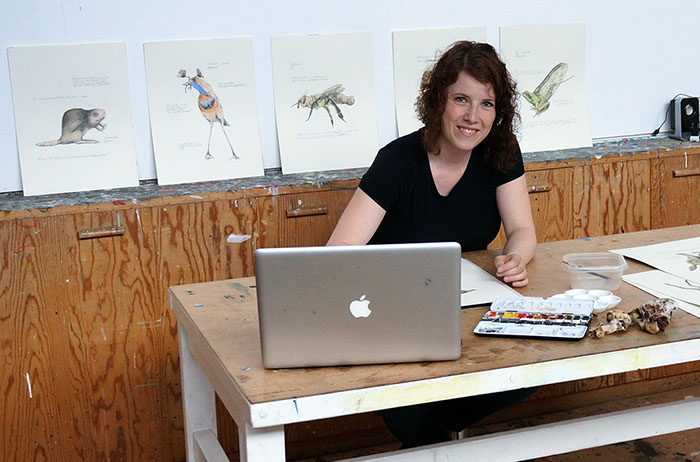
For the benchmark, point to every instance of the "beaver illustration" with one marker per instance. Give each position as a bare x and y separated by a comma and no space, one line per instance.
75,123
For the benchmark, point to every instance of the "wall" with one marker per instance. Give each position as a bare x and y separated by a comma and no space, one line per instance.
638,53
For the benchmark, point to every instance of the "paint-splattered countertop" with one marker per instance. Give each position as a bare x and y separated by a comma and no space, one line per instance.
273,178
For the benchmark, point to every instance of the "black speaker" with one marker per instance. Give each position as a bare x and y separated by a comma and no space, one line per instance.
685,119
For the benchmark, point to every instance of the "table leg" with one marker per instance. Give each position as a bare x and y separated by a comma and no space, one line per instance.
261,444
197,398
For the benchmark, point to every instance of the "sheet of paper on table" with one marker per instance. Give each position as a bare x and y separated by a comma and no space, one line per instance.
664,285
479,287
680,258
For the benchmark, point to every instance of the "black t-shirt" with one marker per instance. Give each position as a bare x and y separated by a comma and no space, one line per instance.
401,182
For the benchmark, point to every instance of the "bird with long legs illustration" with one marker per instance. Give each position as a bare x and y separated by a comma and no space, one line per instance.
209,105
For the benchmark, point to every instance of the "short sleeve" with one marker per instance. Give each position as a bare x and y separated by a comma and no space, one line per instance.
516,171
392,172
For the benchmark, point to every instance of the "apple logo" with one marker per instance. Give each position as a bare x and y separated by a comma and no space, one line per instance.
360,308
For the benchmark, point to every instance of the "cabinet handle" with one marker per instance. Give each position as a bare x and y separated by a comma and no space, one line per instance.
306,211
686,172
100,232
538,188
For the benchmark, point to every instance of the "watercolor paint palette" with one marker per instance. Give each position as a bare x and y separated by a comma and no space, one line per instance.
557,318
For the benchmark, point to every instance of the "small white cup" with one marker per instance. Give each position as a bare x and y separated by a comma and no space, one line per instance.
599,306
599,293
611,300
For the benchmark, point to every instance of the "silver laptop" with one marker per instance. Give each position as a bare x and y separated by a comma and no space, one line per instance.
328,306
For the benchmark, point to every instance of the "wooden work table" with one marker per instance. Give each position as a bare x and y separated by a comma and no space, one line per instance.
220,350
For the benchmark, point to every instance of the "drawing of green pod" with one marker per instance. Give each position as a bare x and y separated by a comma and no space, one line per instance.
539,98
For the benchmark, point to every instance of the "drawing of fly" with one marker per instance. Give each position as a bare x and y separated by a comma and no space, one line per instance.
330,97
539,98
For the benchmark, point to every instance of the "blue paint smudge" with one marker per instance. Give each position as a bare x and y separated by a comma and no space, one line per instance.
585,238
240,288
296,406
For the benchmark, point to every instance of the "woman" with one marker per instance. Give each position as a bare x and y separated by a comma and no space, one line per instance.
456,179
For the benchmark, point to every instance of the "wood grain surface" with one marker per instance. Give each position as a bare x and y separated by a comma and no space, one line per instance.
218,308
91,367
675,199
611,198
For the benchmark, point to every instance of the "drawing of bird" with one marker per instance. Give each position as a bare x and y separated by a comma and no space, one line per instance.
209,105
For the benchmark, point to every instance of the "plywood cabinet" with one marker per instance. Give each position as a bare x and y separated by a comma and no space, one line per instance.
43,347
90,367
550,199
675,191
551,203
198,242
611,198
92,364
120,320
303,219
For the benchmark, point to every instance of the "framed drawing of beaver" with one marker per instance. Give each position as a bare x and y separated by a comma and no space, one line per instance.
62,98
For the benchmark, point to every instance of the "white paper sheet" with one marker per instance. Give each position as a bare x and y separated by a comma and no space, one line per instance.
548,64
73,117
680,258
668,284
324,101
656,282
181,132
416,51
479,287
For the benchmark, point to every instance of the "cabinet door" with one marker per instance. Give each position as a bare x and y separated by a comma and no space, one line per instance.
304,219
122,323
675,191
206,241
45,412
611,198
199,242
550,201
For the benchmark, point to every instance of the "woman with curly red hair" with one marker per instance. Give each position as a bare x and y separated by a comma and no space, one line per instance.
456,179
460,176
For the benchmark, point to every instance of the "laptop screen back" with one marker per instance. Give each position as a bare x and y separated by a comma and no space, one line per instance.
323,306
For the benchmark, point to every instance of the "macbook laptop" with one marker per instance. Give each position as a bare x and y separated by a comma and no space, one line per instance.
328,306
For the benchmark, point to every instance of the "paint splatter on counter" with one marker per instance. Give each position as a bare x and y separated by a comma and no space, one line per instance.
238,287
149,189
274,179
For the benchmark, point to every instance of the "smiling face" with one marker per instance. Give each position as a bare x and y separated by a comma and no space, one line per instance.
470,110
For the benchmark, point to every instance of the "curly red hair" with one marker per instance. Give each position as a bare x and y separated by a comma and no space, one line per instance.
481,62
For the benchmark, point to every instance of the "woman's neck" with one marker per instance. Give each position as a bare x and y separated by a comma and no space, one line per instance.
447,169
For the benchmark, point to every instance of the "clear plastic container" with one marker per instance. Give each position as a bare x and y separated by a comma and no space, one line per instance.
598,270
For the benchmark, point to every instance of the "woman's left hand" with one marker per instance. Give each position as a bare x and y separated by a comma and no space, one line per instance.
512,269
